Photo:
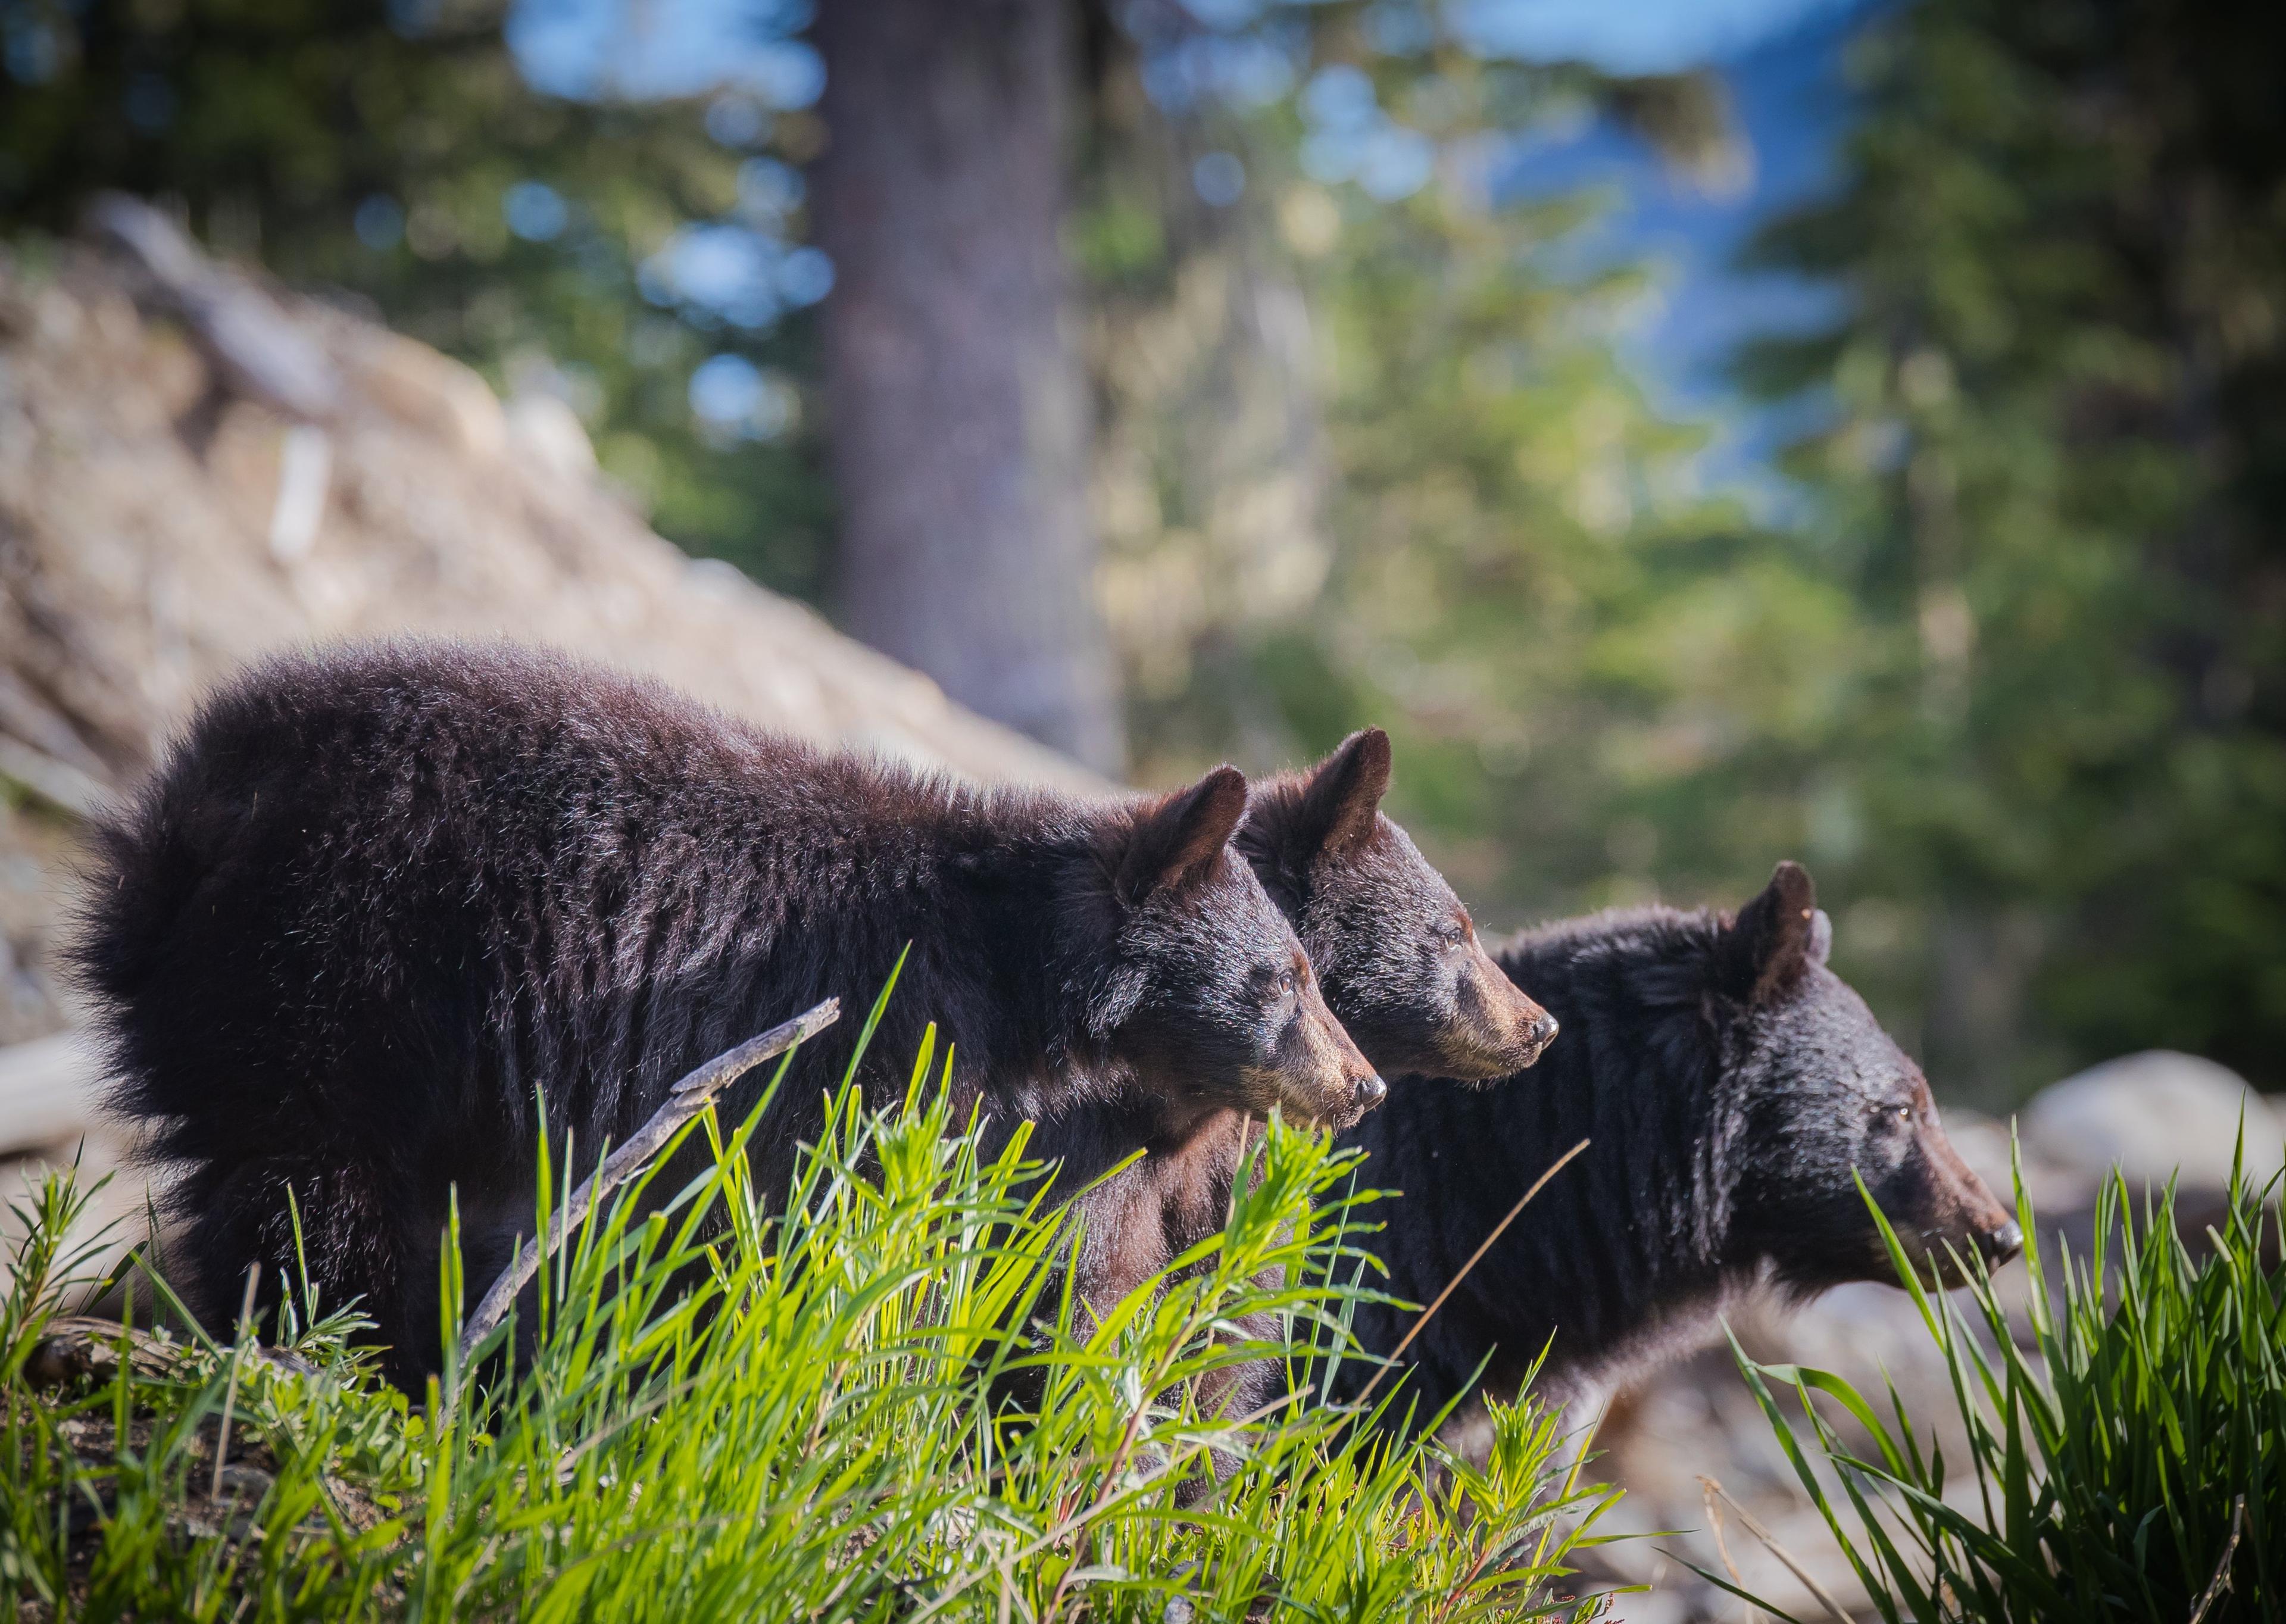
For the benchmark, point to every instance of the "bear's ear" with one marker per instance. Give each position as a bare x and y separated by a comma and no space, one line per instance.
1774,939
1344,795
1821,938
1177,841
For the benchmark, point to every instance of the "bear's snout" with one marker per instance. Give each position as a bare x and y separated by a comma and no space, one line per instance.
1320,1074
1339,1103
1946,1213
2001,1244
1500,1028
1540,1033
1359,1089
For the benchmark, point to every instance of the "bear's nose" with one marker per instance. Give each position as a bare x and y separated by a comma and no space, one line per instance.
1544,1030
2005,1242
1371,1092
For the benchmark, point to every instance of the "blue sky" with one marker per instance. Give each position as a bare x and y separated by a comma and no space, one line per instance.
1782,62
585,48
1634,36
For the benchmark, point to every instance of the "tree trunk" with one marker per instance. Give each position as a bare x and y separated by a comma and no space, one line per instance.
958,409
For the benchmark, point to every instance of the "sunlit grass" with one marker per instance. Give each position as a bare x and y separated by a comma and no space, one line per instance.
875,1399
2125,1462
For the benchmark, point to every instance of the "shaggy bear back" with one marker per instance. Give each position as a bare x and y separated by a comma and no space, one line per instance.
376,904
1625,1239
1733,1090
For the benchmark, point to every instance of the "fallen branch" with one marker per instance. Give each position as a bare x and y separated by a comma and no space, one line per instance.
685,1102
81,1348
2220,1582
256,351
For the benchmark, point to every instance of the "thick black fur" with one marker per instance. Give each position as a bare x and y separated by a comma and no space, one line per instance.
377,901
1394,949
1728,1083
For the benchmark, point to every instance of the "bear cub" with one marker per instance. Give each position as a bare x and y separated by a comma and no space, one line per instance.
1394,949
1729,1085
376,900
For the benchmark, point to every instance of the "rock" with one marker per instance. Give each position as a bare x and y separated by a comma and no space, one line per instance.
442,398
43,1088
546,430
2154,1116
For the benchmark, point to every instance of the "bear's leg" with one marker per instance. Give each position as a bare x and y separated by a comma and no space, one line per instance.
348,1249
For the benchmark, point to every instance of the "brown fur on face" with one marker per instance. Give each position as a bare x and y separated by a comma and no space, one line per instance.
1493,1021
1941,1211
1397,951
1318,1076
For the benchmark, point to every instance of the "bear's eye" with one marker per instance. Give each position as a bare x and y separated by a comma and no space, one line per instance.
1287,984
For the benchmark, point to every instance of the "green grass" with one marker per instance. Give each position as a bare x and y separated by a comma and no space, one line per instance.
800,1410
2129,1465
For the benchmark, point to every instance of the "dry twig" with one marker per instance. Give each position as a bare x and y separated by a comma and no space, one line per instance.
1453,1284
685,1102
1753,1525
2220,1582
1722,1545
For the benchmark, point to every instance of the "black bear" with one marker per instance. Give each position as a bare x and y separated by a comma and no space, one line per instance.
376,899
1396,952
1730,1087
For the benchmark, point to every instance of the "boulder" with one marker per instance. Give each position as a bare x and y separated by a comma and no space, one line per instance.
2154,1116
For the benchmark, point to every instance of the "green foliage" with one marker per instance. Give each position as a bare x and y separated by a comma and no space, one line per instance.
281,129
1603,681
2131,1455
878,1400
2010,675
2014,686
2045,468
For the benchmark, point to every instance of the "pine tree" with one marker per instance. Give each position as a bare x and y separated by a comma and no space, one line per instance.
2052,474
1604,683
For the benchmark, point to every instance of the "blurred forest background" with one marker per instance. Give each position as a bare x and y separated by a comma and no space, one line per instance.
1701,434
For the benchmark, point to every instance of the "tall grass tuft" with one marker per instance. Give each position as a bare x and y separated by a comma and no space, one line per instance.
2127,1463
873,1399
